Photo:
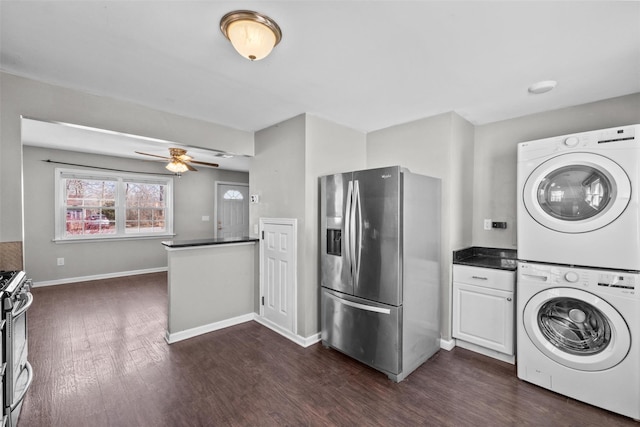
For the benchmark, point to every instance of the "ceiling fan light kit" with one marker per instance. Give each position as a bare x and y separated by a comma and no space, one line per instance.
176,166
179,161
252,34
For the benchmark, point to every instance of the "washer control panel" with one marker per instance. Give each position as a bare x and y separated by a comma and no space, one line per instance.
617,280
595,280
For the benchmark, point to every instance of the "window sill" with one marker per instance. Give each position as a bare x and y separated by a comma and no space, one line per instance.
113,239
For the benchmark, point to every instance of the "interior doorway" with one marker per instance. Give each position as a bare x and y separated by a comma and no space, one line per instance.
232,209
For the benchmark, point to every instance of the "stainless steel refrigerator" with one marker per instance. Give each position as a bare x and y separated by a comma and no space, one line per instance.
380,267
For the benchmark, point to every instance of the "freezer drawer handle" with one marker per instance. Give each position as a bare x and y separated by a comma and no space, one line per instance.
361,306
479,278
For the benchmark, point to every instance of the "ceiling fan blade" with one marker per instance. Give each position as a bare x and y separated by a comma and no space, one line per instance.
153,155
191,168
215,165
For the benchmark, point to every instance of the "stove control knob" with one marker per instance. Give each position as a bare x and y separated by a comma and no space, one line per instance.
572,141
571,277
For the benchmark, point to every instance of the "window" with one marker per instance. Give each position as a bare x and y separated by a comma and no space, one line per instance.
233,195
96,205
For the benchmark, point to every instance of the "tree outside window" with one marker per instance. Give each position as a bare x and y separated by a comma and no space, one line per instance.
106,206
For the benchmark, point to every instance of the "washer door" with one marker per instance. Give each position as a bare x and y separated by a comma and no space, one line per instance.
577,192
577,329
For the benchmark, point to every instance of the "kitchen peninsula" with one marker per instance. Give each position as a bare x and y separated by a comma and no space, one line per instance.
211,284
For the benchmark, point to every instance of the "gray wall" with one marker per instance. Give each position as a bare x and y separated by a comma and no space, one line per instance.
290,156
20,96
442,147
495,159
193,198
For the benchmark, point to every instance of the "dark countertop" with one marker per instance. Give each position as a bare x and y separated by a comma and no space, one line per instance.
207,242
502,259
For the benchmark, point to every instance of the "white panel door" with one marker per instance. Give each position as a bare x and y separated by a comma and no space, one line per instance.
232,213
279,273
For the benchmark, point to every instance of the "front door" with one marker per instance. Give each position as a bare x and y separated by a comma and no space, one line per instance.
232,211
278,272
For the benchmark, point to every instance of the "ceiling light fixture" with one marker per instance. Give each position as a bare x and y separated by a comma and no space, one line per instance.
176,166
252,34
542,87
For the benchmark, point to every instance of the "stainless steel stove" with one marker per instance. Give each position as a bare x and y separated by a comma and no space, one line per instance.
17,372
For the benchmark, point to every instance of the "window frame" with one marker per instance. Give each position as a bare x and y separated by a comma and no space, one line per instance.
121,178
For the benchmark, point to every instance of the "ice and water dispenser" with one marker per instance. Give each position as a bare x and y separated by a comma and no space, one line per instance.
334,241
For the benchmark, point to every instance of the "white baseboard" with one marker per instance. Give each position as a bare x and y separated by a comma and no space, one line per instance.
447,344
97,277
487,351
301,341
194,332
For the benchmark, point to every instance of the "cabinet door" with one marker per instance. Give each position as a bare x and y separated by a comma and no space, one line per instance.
484,316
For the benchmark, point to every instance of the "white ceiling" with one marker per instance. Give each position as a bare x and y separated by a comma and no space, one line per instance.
364,64
65,136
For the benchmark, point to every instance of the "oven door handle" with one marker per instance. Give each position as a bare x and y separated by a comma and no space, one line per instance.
27,366
22,308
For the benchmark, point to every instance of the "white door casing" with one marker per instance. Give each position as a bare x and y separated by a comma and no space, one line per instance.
278,266
232,209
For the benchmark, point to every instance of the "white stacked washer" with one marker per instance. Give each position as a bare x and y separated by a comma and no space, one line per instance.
578,308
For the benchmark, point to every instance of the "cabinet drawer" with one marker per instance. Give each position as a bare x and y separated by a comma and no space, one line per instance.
486,277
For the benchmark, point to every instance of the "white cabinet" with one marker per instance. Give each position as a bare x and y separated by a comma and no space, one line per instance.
484,307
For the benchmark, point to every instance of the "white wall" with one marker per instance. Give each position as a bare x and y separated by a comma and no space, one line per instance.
193,198
442,147
495,160
20,96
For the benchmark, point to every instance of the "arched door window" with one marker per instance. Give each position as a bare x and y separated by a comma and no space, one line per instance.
233,195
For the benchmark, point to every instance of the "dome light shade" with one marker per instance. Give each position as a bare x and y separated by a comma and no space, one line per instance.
252,34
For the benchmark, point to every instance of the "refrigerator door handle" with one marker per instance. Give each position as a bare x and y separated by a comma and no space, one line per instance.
357,252
348,214
358,305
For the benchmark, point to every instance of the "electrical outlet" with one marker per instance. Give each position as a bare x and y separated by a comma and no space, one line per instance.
254,198
487,224
60,262
255,229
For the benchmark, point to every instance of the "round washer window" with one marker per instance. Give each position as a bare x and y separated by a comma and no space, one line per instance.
574,193
576,329
574,326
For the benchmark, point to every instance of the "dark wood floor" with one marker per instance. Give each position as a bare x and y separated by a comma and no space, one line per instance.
100,359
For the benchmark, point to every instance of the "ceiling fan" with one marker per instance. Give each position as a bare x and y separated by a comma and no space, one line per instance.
179,161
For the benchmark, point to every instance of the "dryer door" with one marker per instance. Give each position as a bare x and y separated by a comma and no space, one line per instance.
576,329
577,192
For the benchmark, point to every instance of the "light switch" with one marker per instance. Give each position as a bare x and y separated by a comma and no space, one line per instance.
205,217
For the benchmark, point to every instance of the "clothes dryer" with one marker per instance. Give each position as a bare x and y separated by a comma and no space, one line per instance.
578,334
578,201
